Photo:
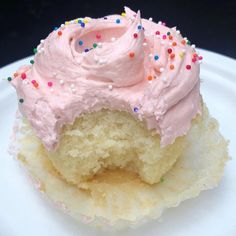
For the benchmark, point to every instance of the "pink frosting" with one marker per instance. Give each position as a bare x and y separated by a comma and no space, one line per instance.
136,65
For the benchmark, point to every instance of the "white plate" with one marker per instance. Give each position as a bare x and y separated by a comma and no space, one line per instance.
24,212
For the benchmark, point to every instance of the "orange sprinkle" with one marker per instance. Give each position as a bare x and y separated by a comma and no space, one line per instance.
149,78
131,54
170,37
15,74
59,33
172,55
172,67
183,42
36,85
174,44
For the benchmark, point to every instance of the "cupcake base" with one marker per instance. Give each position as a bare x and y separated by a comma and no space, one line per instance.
116,199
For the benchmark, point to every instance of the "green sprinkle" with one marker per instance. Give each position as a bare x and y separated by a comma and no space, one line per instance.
21,100
168,33
35,50
32,62
188,42
95,45
162,180
9,79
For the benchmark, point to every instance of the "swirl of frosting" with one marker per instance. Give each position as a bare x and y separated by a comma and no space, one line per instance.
116,62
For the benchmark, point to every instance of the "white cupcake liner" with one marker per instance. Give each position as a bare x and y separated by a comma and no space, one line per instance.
111,204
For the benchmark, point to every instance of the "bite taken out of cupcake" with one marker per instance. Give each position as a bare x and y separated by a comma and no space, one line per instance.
113,125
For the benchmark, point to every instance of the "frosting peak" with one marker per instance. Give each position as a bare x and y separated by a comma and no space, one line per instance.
116,62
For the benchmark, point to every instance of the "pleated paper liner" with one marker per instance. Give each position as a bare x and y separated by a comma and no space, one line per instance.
116,199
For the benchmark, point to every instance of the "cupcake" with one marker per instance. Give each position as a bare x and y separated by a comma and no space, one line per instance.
113,127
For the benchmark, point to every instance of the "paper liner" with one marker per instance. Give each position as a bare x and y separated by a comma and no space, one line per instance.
118,199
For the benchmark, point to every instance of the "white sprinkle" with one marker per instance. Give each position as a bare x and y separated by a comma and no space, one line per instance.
52,90
25,82
185,38
170,43
199,61
96,59
162,43
150,55
174,28
61,81
72,86
161,69
183,50
42,41
110,87
101,61
140,117
150,82
193,45
144,44
159,22
38,47
42,50
150,19
178,32
39,51
62,25
113,39
100,45
54,73
163,79
73,90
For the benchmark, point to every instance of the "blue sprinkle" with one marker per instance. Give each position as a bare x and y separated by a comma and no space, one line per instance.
81,42
117,21
80,21
156,57
86,49
135,109
55,28
139,27
82,24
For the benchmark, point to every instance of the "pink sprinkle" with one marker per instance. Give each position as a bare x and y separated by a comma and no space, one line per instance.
157,32
164,36
98,36
200,58
164,23
188,67
50,84
135,35
33,81
194,60
23,76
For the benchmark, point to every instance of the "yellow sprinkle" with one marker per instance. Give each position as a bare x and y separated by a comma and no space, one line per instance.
67,23
123,14
85,21
181,54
